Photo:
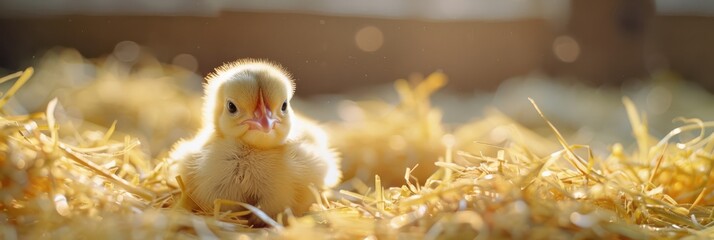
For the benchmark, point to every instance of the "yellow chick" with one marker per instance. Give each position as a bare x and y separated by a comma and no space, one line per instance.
252,147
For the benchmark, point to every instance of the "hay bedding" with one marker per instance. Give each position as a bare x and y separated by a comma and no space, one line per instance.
59,182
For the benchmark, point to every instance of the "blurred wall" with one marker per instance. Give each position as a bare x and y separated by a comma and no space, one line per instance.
687,46
606,42
619,40
321,51
601,42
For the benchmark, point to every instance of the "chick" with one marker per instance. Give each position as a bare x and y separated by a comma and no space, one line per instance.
252,147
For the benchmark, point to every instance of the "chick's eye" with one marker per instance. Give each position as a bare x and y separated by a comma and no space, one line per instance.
231,107
285,106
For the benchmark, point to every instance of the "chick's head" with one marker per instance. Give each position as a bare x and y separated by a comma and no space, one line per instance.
249,101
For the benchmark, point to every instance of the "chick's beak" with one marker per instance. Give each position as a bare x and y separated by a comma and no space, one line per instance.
263,118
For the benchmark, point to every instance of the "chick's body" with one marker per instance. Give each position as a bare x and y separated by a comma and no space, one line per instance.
252,148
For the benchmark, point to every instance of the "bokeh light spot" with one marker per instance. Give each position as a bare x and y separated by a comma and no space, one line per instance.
659,99
499,134
566,49
369,39
582,220
397,143
186,61
126,51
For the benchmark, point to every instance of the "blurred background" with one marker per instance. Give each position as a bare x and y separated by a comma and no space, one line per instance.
336,45
576,58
